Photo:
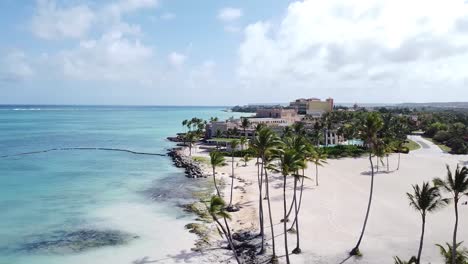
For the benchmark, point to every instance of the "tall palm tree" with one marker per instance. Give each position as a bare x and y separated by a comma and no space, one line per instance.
245,124
319,158
217,210
457,186
399,144
216,160
269,166
425,199
289,163
372,125
263,143
190,138
234,143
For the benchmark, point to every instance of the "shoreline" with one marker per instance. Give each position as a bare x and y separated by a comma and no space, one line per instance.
332,212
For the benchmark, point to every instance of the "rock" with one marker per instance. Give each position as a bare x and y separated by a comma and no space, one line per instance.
61,242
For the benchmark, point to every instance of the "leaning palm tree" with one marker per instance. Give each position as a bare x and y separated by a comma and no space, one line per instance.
216,160
457,186
263,143
289,162
234,143
372,125
425,199
269,166
319,158
217,210
399,146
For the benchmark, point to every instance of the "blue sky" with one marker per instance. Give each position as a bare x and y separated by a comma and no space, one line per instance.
179,52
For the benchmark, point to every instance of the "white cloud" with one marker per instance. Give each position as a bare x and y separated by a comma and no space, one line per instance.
359,50
112,57
229,14
52,22
168,16
176,59
14,67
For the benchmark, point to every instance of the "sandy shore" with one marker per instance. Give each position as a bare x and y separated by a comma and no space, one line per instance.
332,213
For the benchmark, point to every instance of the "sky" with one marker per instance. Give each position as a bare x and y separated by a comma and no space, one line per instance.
221,52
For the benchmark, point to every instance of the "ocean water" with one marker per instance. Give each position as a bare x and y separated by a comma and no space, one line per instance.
57,206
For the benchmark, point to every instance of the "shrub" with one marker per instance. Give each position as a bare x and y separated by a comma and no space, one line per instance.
442,136
341,151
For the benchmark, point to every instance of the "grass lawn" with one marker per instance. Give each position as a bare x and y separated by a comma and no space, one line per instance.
441,146
411,145
204,160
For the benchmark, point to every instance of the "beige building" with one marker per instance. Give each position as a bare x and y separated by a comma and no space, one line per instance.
312,106
317,108
290,115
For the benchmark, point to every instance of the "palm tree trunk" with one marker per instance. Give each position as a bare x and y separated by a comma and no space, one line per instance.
454,242
297,250
228,237
215,184
355,250
388,168
267,189
423,216
316,175
300,198
260,206
284,222
232,179
398,167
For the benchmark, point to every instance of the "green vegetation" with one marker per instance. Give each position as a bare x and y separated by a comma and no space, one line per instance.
411,145
200,159
224,140
342,151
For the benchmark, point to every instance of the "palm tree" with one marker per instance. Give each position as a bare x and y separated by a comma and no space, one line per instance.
217,210
425,199
461,255
318,158
216,160
245,124
263,143
289,163
242,142
457,186
372,125
399,261
190,137
269,166
234,143
246,159
399,144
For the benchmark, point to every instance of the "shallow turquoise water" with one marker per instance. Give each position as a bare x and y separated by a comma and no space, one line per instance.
65,191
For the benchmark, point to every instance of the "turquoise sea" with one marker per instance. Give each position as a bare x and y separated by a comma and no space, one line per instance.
93,206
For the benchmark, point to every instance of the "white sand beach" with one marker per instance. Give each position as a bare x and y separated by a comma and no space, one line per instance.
332,213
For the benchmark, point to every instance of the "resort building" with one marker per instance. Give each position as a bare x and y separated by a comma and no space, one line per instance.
289,114
312,106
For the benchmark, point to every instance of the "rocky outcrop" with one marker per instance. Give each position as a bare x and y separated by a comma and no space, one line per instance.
192,168
76,241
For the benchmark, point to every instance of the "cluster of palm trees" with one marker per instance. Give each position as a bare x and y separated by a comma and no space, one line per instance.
195,129
288,156
428,198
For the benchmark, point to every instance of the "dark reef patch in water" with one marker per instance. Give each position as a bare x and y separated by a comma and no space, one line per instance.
62,242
